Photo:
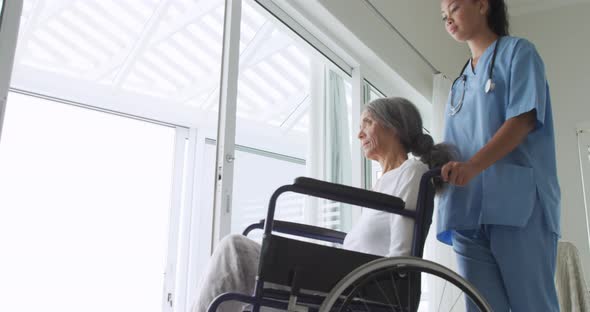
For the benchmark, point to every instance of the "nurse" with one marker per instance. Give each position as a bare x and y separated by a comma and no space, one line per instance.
500,211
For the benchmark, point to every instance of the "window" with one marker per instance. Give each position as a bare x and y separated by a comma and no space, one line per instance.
282,117
145,58
156,60
85,200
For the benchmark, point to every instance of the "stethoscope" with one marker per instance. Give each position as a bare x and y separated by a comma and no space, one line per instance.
489,86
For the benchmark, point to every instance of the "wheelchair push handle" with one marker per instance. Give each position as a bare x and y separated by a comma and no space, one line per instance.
432,173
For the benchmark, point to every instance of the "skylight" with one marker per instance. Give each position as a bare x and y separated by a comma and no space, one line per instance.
162,52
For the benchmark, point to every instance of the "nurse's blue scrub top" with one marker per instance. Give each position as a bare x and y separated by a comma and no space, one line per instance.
506,192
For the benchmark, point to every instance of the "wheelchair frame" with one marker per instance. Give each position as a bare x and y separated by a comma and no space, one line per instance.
276,255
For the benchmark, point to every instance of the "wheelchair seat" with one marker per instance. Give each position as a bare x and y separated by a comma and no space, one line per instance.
296,264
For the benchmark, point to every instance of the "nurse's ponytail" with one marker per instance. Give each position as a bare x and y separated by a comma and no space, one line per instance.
498,17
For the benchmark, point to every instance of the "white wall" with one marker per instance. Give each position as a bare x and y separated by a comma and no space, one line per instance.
420,22
562,37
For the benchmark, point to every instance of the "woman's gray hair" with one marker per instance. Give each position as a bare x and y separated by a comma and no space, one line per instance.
404,118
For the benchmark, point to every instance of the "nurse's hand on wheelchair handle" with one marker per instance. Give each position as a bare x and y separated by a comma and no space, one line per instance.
459,173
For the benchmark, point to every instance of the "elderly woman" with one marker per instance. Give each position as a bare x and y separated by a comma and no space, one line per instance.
391,128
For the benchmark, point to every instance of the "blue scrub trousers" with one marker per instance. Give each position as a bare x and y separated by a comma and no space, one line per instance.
512,267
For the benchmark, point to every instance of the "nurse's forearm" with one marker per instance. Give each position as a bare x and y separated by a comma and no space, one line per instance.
506,139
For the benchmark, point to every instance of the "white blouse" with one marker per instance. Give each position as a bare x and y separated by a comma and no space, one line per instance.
386,234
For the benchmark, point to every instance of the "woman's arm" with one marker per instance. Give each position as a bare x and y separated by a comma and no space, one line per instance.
506,139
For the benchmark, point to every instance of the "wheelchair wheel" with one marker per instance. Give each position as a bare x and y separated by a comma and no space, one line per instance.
394,284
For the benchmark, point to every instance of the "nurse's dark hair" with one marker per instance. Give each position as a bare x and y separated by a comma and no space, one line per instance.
498,17
403,117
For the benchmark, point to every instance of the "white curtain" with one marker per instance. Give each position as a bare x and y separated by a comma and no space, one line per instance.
437,292
338,157
337,131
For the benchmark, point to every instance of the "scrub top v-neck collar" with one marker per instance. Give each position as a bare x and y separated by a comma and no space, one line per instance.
482,59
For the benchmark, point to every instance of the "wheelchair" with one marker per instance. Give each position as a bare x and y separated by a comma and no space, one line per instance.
324,278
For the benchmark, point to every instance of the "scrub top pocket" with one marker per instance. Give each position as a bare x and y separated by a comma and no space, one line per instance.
509,194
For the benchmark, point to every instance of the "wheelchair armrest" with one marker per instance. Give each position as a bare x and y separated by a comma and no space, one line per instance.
301,230
351,195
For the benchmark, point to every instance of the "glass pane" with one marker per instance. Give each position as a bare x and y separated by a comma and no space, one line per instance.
159,60
273,87
375,94
156,59
277,115
85,200
255,175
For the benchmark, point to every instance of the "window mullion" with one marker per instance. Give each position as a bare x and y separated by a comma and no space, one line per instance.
174,219
185,217
227,120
